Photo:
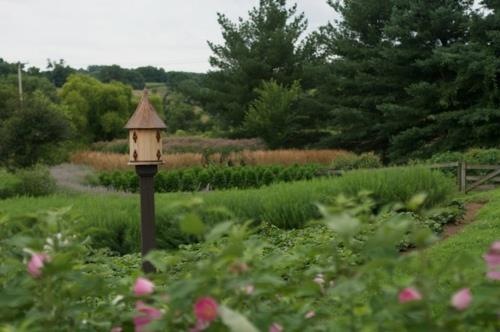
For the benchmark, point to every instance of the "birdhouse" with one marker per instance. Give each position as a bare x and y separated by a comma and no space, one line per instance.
145,127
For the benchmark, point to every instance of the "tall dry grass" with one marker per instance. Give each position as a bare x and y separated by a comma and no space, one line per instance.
103,161
114,161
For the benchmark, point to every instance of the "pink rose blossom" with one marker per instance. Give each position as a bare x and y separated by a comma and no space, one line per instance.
492,259
205,309
143,287
146,315
409,294
493,275
319,279
276,328
116,329
36,264
310,314
461,299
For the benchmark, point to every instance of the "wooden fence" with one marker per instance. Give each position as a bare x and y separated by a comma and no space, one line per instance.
473,176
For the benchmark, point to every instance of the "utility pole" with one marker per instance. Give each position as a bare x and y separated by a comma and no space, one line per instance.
20,82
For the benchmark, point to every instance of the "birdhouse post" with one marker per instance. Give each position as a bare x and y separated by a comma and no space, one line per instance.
145,143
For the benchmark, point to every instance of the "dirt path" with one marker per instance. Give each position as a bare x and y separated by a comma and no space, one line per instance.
71,177
471,211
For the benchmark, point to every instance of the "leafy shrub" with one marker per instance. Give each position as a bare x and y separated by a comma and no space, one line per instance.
352,161
336,273
472,156
36,181
9,184
196,178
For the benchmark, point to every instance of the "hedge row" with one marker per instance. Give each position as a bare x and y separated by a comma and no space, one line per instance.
198,178
35,181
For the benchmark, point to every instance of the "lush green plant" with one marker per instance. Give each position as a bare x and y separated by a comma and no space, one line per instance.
35,181
9,184
196,178
353,161
472,156
332,276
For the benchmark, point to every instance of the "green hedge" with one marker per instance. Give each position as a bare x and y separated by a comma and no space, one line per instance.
35,181
199,178
113,220
473,156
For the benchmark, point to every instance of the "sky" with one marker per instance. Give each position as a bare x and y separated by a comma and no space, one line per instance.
171,34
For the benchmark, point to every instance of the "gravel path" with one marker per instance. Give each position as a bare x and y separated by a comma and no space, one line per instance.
71,177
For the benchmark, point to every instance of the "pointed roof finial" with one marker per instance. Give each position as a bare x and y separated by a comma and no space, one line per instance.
145,116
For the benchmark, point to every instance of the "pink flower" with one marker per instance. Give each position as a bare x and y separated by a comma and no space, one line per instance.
205,309
310,314
461,299
36,264
249,289
409,294
143,286
200,326
493,275
276,328
117,329
492,257
146,315
319,279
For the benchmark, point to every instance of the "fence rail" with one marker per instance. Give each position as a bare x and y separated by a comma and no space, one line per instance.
473,176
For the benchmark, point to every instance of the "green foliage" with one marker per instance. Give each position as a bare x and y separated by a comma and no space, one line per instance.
213,177
353,161
331,276
33,182
181,114
97,110
272,116
34,134
472,156
261,48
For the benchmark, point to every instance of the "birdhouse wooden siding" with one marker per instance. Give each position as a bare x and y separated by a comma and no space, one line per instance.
145,139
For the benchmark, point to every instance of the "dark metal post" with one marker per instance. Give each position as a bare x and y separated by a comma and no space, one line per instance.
147,190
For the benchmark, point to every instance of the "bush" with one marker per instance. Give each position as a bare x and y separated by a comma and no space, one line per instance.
196,178
35,181
331,276
352,161
9,184
472,156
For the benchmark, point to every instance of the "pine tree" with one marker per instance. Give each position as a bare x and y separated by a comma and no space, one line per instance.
264,47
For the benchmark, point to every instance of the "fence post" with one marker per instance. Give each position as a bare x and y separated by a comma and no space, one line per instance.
462,176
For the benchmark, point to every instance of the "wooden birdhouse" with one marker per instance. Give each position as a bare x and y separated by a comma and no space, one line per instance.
145,141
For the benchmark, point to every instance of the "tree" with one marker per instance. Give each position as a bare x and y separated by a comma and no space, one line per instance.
98,110
264,47
273,116
58,72
397,81
33,133
182,115
107,74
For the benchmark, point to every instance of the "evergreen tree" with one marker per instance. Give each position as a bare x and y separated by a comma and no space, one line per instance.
264,47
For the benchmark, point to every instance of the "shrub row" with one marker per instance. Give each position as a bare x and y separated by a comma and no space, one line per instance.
198,178
350,161
35,181
473,156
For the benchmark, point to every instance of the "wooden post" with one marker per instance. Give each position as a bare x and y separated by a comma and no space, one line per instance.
148,239
462,176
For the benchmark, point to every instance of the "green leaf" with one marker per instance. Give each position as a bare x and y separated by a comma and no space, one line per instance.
191,224
235,321
218,231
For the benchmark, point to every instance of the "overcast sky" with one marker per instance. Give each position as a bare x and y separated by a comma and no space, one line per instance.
171,34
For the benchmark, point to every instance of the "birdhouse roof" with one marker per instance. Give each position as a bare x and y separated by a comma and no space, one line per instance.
145,116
